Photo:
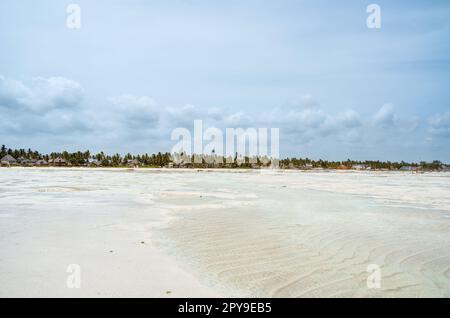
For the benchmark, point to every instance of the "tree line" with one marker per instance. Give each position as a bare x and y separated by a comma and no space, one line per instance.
160,159
80,158
368,164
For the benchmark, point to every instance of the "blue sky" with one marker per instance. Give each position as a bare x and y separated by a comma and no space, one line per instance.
133,72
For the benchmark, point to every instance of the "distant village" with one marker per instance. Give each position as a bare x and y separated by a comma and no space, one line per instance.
29,158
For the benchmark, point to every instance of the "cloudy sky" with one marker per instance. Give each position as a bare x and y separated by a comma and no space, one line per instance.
132,73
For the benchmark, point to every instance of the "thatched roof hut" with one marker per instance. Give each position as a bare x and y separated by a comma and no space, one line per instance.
41,163
24,161
8,160
133,163
59,162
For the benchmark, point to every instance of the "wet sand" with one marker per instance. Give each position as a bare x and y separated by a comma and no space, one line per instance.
161,233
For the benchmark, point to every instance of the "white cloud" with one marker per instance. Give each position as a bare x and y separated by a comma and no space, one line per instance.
385,116
350,119
215,113
11,91
44,106
41,95
53,107
137,111
305,121
440,124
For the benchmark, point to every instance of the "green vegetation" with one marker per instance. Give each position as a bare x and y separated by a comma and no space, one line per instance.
78,159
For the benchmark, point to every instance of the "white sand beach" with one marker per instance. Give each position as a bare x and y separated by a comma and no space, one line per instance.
174,233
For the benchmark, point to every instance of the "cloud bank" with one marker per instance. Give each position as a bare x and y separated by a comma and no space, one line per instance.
57,108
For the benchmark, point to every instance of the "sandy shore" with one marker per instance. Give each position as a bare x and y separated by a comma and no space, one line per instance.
161,233
101,222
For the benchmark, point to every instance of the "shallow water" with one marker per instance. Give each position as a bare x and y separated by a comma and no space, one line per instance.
268,234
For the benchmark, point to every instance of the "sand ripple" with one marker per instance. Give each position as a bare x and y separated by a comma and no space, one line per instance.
300,243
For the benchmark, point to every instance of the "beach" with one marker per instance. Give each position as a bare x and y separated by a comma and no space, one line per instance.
223,233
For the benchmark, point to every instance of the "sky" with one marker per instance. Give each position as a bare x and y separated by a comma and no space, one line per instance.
136,70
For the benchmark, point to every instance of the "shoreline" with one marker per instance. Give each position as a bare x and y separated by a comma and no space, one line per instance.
223,169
